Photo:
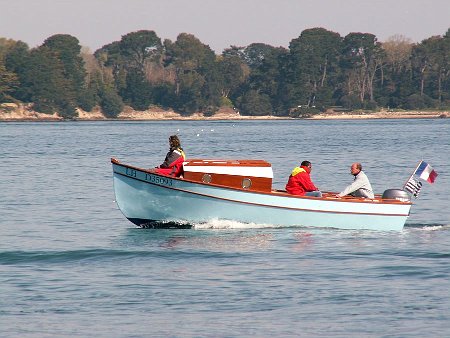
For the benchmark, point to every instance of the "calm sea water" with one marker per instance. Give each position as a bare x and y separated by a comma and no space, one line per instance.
71,265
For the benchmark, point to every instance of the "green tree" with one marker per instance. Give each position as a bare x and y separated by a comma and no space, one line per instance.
15,57
362,59
131,61
67,49
445,84
110,56
8,79
138,92
396,81
193,63
5,47
89,97
255,104
432,65
8,83
263,62
138,48
314,57
164,95
110,102
46,84
233,72
421,64
255,54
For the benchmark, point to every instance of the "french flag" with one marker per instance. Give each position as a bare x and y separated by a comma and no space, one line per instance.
426,172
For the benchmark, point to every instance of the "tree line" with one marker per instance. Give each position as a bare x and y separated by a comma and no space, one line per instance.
320,69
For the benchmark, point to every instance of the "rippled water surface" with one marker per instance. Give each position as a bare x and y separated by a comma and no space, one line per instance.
72,265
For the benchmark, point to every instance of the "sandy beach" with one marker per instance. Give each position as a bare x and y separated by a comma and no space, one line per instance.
19,112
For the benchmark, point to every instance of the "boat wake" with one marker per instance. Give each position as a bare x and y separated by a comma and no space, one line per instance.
227,224
428,227
436,227
212,224
163,225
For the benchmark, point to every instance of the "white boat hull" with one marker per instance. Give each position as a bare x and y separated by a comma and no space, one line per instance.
149,199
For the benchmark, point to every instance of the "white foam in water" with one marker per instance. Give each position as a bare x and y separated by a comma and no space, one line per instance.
226,224
435,227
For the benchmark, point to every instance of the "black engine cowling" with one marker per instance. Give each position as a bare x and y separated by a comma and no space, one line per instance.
396,194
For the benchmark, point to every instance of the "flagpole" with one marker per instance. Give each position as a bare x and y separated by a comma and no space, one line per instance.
417,167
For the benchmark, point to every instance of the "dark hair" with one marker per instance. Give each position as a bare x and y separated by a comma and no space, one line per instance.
359,166
305,164
174,141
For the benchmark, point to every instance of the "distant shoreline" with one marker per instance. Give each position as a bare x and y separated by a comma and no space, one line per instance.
382,115
22,113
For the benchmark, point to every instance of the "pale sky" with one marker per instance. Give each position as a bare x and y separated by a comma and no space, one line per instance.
219,24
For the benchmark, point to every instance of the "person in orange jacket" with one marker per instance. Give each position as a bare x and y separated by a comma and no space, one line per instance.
300,183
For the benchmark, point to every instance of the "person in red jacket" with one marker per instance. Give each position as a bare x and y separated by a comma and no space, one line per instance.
300,183
173,163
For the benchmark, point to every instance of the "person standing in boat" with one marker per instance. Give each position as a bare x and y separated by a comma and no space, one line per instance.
300,183
361,186
173,163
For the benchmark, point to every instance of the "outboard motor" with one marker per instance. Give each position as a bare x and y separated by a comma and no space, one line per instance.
396,194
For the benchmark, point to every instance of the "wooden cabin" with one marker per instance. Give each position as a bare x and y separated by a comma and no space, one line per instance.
252,175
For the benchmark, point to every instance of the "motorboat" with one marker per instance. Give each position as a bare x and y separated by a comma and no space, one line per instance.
241,191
